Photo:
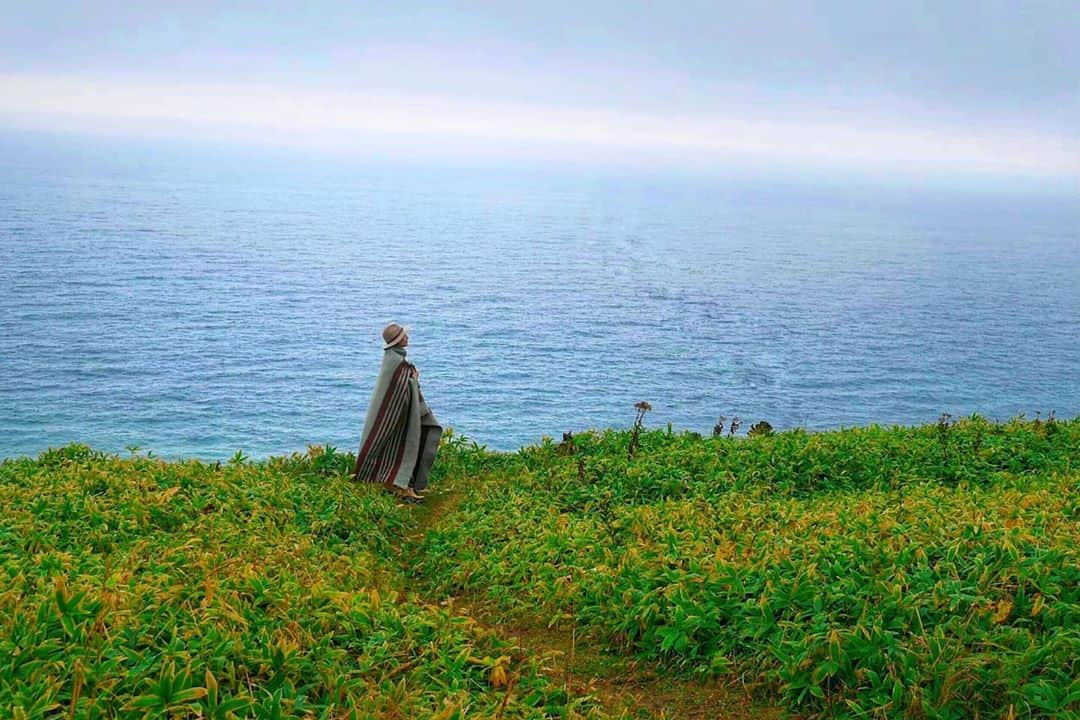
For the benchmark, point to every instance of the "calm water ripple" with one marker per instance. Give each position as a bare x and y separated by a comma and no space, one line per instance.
200,313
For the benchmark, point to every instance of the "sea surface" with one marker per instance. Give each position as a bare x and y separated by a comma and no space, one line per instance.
196,304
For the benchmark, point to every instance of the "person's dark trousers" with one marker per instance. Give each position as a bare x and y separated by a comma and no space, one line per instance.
430,434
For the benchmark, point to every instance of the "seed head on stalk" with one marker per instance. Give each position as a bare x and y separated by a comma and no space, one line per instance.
566,447
735,423
718,428
642,408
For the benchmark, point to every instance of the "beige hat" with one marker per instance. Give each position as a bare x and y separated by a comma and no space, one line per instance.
392,335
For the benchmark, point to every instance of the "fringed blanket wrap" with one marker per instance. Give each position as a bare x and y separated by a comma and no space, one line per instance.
391,442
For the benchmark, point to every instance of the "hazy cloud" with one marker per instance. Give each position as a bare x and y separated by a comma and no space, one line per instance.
988,87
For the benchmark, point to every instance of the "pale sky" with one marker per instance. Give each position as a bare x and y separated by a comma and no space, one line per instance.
983,89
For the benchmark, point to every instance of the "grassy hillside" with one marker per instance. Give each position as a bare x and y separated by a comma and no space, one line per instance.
930,571
135,587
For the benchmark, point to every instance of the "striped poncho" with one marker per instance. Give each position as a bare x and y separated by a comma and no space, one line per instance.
391,437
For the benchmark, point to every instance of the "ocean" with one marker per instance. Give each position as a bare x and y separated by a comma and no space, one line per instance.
200,304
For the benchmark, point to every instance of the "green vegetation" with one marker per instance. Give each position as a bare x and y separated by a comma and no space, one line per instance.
136,587
908,572
916,572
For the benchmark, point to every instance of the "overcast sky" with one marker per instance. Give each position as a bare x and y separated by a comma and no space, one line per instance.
981,88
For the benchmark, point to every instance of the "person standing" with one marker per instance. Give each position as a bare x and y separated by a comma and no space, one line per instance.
401,435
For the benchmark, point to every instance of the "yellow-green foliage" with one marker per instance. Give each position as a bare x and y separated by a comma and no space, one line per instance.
906,572
916,572
136,587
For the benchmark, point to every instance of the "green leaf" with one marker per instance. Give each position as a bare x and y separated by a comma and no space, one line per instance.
188,695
